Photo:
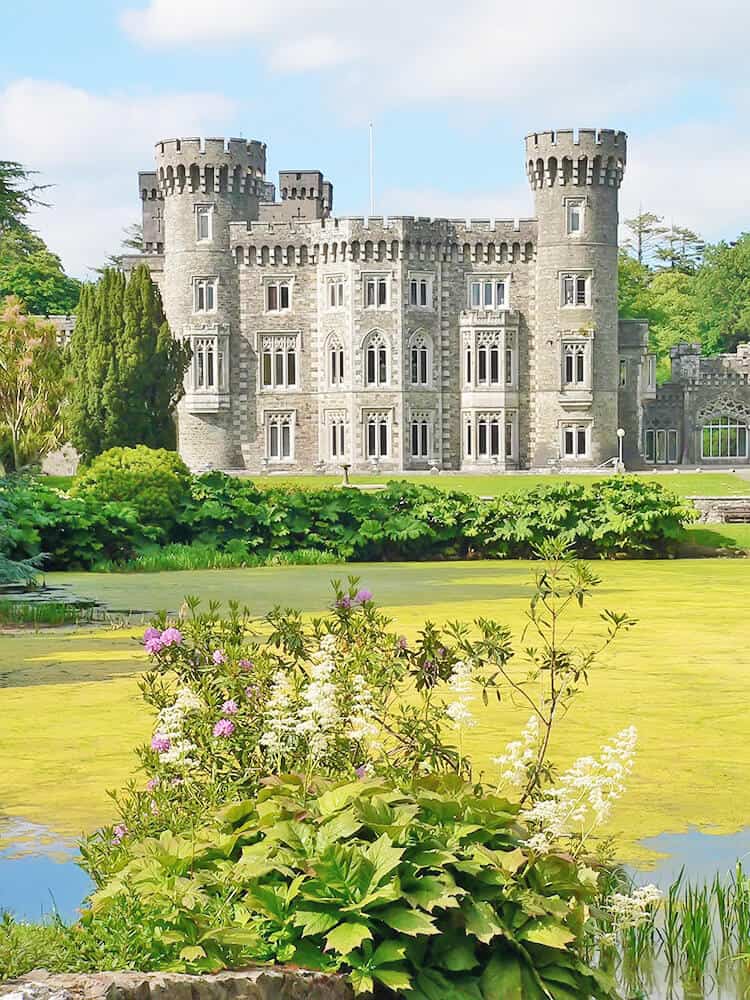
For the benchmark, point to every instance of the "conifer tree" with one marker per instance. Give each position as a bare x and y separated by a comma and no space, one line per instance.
128,370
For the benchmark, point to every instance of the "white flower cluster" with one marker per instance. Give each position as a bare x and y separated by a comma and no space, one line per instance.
583,795
281,720
362,726
170,727
319,713
519,755
461,687
633,910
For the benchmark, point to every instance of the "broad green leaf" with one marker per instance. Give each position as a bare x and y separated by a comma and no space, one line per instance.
395,979
347,937
247,936
387,952
314,923
481,920
192,953
547,932
506,978
336,798
384,856
408,921
457,954
430,891
361,981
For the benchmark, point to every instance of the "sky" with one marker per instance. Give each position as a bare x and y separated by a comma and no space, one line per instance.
87,87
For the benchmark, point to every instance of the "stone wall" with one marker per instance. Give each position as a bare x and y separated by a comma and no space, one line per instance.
249,984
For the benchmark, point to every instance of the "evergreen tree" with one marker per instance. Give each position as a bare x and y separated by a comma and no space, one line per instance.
128,368
646,235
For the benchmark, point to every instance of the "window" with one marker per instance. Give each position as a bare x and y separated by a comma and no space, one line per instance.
278,296
489,358
724,437
509,437
376,360
335,362
488,293
574,216
337,436
376,291
488,435
204,295
377,435
574,289
208,372
651,371
279,362
334,293
575,440
574,364
420,291
419,355
421,432
623,373
279,437
661,446
204,222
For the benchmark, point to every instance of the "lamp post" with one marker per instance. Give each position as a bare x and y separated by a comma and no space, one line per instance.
620,436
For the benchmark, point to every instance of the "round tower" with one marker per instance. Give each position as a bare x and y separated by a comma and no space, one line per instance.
575,178
206,184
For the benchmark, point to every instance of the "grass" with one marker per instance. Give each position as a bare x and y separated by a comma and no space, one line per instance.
195,556
72,713
38,614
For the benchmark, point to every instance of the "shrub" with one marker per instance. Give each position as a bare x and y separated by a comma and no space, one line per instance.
152,481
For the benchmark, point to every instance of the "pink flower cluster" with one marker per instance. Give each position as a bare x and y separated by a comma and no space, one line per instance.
219,657
154,640
120,832
224,728
230,707
160,743
361,597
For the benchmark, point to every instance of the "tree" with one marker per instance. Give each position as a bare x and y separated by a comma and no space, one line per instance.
18,195
128,369
634,288
646,235
32,384
132,241
681,250
723,295
31,271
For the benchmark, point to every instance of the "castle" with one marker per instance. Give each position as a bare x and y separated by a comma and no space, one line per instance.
400,343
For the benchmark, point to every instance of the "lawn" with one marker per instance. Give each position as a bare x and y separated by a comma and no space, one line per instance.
684,483
72,715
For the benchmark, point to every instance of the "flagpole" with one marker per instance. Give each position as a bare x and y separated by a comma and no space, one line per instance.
372,174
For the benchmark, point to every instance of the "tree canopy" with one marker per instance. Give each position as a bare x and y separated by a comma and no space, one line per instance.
128,369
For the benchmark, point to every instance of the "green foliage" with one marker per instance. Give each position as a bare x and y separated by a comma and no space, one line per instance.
19,195
723,295
29,270
153,482
32,386
244,525
197,555
427,889
128,368
71,532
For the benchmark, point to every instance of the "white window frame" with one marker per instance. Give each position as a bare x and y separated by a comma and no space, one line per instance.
482,292
279,421
622,377
490,359
651,371
661,446
382,440
280,284
576,364
419,290
573,206
575,429
420,435
205,295
719,428
334,292
204,212
380,281
208,372
420,359
580,285
335,362
336,436
283,354
377,343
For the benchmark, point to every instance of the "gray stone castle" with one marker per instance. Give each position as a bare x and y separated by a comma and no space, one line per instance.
401,343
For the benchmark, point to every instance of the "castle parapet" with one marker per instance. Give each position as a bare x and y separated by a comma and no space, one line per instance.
205,165
576,157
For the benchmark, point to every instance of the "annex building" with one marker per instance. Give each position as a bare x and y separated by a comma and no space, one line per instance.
413,343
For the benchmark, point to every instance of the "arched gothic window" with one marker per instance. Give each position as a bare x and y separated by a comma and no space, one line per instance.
335,361
420,359
377,361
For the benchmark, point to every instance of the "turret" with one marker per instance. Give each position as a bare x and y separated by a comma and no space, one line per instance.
206,185
575,178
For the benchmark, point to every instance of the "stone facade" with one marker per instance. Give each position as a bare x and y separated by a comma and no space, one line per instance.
395,343
702,415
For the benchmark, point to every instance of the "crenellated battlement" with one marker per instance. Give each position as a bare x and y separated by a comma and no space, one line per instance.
576,157
202,165
382,240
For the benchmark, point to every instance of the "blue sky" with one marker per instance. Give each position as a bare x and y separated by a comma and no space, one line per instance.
87,88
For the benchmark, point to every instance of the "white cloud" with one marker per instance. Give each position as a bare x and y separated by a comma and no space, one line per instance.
560,61
90,148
